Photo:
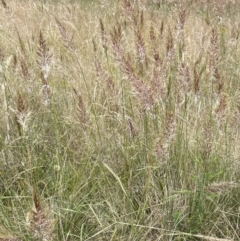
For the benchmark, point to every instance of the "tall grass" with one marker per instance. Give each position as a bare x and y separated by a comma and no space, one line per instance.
119,120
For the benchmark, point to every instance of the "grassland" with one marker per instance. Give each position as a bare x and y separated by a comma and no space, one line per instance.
119,120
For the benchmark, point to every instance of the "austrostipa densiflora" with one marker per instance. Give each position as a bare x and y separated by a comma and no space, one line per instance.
39,222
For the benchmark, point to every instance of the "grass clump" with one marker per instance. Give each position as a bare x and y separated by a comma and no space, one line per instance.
119,121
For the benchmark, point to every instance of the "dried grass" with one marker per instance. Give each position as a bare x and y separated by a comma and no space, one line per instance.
222,186
40,224
157,97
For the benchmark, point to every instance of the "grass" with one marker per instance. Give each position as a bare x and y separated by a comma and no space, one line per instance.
119,120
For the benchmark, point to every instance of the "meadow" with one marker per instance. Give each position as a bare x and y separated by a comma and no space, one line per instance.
119,120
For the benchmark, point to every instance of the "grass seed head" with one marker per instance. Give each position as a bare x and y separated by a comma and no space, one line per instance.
41,226
44,56
65,36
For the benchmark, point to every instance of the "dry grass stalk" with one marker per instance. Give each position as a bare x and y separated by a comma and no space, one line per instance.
20,104
46,92
65,36
169,130
158,68
101,73
94,47
8,10
9,239
196,81
135,19
4,4
180,22
103,36
158,85
161,30
1,60
213,54
217,8
116,38
156,82
153,38
14,63
159,149
140,46
44,56
5,235
25,71
219,81
20,114
184,77
206,144
142,19
182,16
132,129
220,110
128,9
82,114
41,226
209,238
1,55
143,91
170,45
221,186
236,117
